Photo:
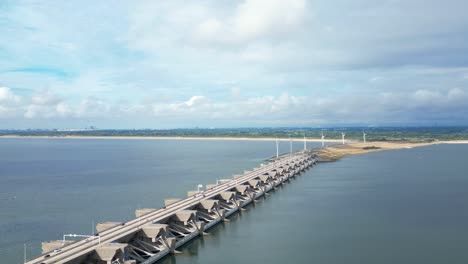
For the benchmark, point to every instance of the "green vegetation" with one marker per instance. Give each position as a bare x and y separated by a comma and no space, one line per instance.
419,134
371,147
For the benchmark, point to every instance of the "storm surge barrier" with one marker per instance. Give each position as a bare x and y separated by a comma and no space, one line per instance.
155,233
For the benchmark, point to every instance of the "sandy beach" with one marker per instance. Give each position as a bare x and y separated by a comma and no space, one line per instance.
454,142
336,152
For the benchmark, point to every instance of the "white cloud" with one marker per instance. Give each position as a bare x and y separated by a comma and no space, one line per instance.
44,104
284,109
257,18
235,92
196,101
253,20
8,102
6,96
426,96
63,109
258,53
32,111
93,107
45,97
48,105
457,94
178,60
193,106
209,29
450,98
3,110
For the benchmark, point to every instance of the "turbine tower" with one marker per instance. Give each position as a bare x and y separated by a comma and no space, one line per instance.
290,145
323,140
277,148
342,137
364,136
305,144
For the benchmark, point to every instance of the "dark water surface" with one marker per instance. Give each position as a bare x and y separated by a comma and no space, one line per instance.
405,206
51,187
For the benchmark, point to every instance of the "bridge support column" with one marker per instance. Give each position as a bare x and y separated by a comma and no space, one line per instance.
109,253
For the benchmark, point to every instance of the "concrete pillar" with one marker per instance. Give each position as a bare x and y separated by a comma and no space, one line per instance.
227,196
201,226
254,183
209,205
222,213
185,216
109,252
171,242
153,231
242,189
264,178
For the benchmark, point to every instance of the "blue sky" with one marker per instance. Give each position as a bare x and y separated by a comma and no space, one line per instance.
167,64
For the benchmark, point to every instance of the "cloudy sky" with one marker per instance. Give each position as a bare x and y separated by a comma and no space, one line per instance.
220,63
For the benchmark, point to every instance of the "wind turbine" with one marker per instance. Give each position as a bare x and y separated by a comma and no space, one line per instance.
290,145
342,137
323,140
364,136
277,148
305,144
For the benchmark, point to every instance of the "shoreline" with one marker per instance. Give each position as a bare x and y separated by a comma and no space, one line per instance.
348,142
180,138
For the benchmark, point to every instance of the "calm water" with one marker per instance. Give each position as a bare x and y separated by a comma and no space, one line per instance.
406,206
51,187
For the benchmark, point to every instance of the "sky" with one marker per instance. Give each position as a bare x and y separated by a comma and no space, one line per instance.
220,63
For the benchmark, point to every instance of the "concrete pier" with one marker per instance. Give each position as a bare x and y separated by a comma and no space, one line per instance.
154,233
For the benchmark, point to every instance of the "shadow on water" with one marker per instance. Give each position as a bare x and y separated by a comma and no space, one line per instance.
193,247
219,232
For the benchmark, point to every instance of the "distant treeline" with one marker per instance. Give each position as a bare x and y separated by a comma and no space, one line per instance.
373,133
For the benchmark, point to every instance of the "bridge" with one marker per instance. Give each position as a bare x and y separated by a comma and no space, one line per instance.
155,233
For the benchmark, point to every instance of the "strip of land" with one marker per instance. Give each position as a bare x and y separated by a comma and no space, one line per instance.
333,153
350,144
181,138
